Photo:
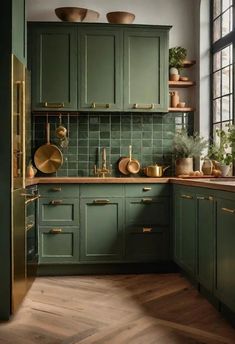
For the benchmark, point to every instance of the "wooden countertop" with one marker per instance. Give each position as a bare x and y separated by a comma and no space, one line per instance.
226,184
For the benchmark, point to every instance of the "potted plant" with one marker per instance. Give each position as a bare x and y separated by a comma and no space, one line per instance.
185,148
177,56
223,152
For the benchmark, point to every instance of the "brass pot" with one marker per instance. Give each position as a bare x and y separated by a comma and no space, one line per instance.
155,171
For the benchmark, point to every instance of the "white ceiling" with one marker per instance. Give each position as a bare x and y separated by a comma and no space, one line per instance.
145,10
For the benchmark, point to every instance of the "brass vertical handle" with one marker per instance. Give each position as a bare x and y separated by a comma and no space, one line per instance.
227,210
56,230
94,105
147,189
56,202
53,105
147,229
143,106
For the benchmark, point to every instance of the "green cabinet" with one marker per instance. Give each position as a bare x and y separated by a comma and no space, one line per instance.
100,66
225,250
206,239
53,63
185,228
19,30
146,70
101,229
147,229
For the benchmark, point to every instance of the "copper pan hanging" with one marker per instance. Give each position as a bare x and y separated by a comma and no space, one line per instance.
48,158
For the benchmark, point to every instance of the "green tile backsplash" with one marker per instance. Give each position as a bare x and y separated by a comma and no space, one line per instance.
149,134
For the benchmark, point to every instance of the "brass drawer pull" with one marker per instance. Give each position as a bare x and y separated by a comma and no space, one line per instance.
56,189
186,196
29,226
147,229
101,201
147,189
143,106
210,198
56,230
101,106
56,202
147,200
53,105
227,210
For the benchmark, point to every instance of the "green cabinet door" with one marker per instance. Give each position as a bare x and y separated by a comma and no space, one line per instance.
185,229
101,237
19,30
206,240
146,70
100,62
53,50
225,255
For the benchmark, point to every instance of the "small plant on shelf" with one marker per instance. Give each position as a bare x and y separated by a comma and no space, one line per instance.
177,56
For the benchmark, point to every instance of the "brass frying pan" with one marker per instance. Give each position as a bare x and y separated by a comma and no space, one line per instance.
48,158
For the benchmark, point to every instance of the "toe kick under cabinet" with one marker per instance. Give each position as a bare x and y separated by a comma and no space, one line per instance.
103,223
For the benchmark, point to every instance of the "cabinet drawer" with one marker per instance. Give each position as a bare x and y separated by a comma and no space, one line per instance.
58,211
147,246
59,190
147,211
103,191
145,190
58,244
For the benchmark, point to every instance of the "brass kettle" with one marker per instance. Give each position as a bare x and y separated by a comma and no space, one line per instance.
155,170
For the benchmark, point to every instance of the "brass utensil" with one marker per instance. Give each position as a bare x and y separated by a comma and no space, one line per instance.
122,165
133,165
48,157
155,171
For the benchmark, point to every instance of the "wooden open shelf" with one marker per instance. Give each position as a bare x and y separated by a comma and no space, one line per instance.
185,109
181,83
189,63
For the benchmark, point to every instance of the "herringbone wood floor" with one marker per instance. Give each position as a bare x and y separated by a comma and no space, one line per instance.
116,309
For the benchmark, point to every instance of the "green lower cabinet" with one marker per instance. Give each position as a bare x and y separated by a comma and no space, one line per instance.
225,252
58,244
185,229
146,230
206,240
101,236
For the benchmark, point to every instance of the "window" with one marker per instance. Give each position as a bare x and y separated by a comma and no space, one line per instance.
223,38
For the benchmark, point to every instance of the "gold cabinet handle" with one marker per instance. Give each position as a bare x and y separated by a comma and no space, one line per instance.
227,210
53,105
56,230
101,201
143,106
147,200
29,226
147,189
100,106
147,229
56,189
56,202
210,198
186,196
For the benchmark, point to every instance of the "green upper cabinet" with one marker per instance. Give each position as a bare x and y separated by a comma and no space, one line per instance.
146,70
225,255
185,228
206,239
100,69
53,52
19,30
101,229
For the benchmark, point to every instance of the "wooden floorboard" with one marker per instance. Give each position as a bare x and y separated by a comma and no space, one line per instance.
116,309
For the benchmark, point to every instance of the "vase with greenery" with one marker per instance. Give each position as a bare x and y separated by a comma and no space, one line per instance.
177,56
185,149
223,151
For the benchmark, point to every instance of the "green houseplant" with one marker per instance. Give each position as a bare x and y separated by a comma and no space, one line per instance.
177,56
223,151
185,149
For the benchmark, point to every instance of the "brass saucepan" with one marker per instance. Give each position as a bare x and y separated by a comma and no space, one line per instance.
48,157
155,170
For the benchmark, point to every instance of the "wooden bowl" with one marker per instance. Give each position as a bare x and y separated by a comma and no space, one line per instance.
120,17
76,14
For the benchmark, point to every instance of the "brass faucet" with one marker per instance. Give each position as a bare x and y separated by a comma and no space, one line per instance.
102,171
